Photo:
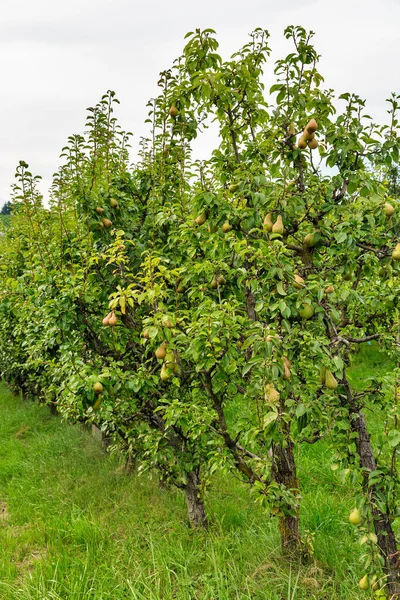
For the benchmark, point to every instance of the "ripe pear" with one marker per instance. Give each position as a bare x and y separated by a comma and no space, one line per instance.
396,252
161,351
302,143
106,222
355,516
173,111
364,584
306,312
310,240
268,222
330,381
313,144
307,136
146,334
226,227
107,318
114,203
112,320
312,126
388,209
99,210
278,227
329,290
97,387
201,219
298,282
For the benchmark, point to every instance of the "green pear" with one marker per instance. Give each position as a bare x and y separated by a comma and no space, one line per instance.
268,222
396,252
221,280
201,219
355,517
388,209
364,584
310,240
161,351
226,227
278,227
166,373
114,203
98,387
306,312
214,282
330,381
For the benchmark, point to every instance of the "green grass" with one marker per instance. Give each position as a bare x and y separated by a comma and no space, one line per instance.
74,526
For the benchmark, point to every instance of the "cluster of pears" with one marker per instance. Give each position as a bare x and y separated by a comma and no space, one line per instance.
365,583
308,136
170,366
110,319
271,227
202,218
218,281
327,379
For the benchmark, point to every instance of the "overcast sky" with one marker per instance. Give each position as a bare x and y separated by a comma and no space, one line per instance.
59,56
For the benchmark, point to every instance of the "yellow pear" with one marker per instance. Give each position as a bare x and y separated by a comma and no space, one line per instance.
201,219
114,203
355,517
312,126
166,373
364,583
388,209
396,252
298,282
329,290
166,322
173,111
107,318
374,583
268,222
278,227
313,144
97,387
226,227
330,381
146,334
307,136
99,210
106,222
302,143
161,351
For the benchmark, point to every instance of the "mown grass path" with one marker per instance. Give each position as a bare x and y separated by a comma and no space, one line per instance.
74,526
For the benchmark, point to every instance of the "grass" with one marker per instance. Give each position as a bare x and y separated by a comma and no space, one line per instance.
74,526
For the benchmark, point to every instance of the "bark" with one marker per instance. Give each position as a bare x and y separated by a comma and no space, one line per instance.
284,472
195,504
382,522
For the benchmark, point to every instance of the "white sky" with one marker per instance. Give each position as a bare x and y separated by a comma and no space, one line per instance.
59,56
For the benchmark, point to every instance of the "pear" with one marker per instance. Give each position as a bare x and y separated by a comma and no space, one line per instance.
172,363
106,222
107,318
308,136
161,351
278,227
330,381
114,203
322,375
312,126
271,395
166,322
329,290
374,583
226,227
233,187
201,219
97,387
268,222
99,210
99,400
101,225
348,275
166,373
363,583
180,289
112,320
313,144
388,209
146,334
396,252
306,312
214,282
355,516
221,280
291,130
173,111
298,282
286,364
302,143
310,240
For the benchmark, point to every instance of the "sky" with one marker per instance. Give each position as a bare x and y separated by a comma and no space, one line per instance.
58,57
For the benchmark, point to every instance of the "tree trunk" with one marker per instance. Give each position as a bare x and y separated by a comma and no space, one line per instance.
382,525
195,504
284,472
